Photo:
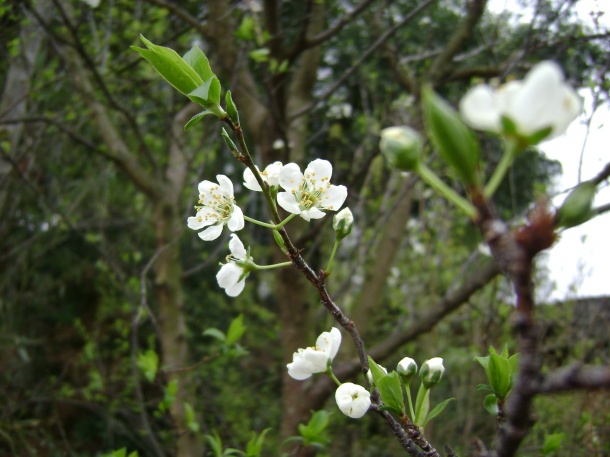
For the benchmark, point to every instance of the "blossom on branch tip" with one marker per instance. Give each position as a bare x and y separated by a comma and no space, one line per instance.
309,194
306,362
216,209
270,176
432,371
542,100
232,275
353,400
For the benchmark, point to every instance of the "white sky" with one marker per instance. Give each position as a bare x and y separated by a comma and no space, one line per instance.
579,264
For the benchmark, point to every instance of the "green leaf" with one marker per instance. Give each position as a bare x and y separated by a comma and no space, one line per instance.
376,371
255,444
499,374
315,431
491,404
170,66
552,443
484,361
236,330
207,94
133,454
422,405
215,333
199,62
231,108
259,55
504,353
485,387
189,415
148,363
390,389
196,118
215,443
437,410
513,362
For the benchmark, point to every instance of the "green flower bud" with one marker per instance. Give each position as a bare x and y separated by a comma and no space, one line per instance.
402,147
406,369
343,223
576,208
432,371
454,141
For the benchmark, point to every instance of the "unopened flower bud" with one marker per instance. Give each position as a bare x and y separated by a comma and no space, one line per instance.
343,222
402,147
432,371
576,208
369,374
455,142
406,369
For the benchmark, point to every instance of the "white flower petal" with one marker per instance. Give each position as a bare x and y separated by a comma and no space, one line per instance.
479,109
211,233
226,186
288,202
236,289
195,223
298,372
229,275
319,170
236,221
313,213
205,187
273,173
329,342
333,198
250,181
237,248
290,177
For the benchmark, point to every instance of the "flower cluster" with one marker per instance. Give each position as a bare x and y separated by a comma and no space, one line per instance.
307,195
353,400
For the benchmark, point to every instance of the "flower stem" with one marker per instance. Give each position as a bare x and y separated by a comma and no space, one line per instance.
271,226
435,182
330,373
332,256
271,267
510,152
410,401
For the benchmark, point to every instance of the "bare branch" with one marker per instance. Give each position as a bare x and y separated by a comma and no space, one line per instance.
441,64
573,377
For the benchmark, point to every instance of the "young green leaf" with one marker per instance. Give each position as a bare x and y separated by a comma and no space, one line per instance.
236,330
499,373
199,62
170,66
148,363
231,108
437,410
215,333
376,371
255,444
390,389
189,414
491,404
196,118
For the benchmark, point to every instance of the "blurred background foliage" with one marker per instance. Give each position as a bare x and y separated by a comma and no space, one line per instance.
77,241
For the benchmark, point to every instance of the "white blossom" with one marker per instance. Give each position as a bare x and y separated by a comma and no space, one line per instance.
432,371
353,400
541,100
306,362
270,176
232,275
309,194
407,367
216,209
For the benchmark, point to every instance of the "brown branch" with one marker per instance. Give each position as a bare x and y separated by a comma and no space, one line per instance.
441,64
573,377
305,43
363,57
